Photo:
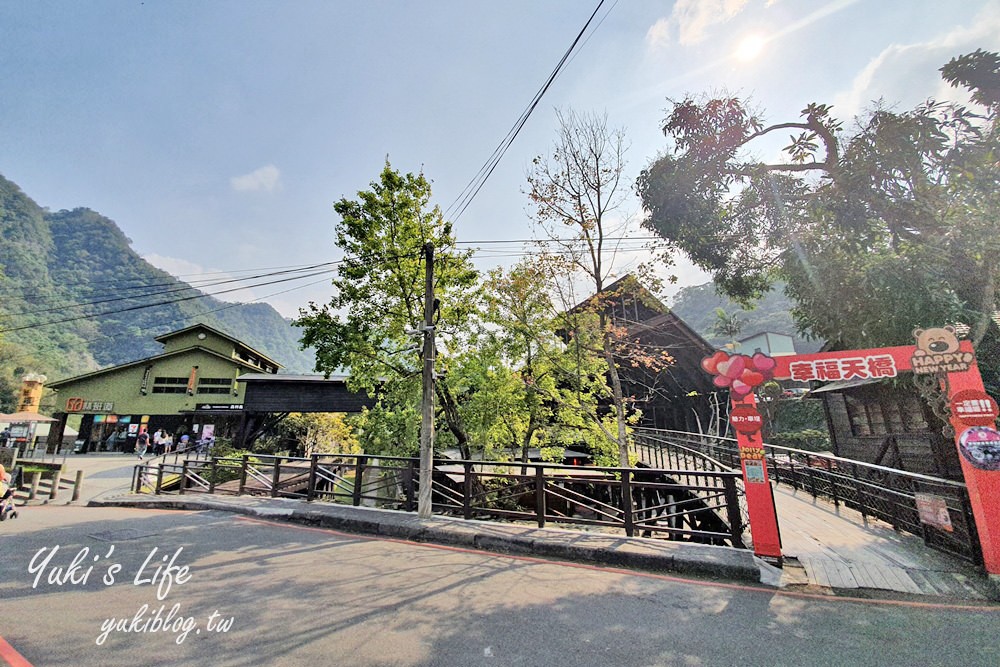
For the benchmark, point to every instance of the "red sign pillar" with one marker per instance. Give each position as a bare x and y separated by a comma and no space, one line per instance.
760,497
976,442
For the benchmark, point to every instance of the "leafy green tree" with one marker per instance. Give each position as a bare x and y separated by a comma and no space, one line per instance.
876,232
536,396
378,300
311,433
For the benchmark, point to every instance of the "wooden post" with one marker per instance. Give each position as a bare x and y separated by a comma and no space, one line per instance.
77,485
540,495
311,486
359,472
408,504
467,491
54,491
36,477
733,512
627,502
424,500
243,475
275,476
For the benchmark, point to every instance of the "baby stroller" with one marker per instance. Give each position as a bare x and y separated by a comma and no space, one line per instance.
8,485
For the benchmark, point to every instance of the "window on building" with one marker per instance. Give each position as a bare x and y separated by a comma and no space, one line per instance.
215,385
170,385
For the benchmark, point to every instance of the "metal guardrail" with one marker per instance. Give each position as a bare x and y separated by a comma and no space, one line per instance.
875,491
703,508
656,451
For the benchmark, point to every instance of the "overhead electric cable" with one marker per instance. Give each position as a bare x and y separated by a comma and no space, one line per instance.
174,287
472,189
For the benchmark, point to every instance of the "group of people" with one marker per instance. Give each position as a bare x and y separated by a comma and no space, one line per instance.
162,442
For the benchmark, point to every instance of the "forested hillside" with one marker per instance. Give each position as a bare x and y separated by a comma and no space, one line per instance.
697,306
74,297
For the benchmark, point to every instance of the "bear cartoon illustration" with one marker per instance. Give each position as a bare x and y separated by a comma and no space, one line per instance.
939,340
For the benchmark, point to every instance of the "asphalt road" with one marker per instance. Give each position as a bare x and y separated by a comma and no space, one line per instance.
302,596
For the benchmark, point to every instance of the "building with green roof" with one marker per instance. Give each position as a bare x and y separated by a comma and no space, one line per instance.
190,388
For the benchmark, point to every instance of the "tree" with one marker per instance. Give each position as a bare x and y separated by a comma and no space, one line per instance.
545,395
577,193
314,433
378,300
727,326
876,232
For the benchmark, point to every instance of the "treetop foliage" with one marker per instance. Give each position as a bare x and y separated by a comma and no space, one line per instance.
875,231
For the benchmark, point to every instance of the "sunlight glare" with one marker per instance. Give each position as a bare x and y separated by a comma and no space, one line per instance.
750,47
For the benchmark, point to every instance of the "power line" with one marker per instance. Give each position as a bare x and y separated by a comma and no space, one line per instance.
153,305
497,253
176,286
472,189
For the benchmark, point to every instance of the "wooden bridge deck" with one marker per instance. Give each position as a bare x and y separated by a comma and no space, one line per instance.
831,547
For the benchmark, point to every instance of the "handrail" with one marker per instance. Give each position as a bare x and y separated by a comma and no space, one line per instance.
888,494
816,455
675,503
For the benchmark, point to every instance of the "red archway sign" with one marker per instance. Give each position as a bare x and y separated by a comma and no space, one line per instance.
973,412
974,418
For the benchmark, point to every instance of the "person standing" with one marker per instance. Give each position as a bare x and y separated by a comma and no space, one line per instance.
141,444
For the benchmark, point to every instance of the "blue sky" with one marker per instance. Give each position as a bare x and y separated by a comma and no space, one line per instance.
219,134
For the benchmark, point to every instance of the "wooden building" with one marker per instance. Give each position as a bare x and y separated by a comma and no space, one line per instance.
681,395
888,424
191,385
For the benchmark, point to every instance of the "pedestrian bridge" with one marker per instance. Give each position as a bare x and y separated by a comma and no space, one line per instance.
843,524
848,524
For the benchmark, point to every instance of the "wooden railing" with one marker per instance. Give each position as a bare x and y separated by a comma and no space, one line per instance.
703,508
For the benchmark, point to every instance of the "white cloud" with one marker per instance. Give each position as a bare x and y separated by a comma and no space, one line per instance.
658,35
266,178
693,17
908,73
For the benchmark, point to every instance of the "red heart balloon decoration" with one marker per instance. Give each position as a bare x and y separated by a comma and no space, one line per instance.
721,381
740,388
752,378
711,364
763,363
734,367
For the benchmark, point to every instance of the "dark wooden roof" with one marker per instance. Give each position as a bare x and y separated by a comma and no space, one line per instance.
266,392
651,322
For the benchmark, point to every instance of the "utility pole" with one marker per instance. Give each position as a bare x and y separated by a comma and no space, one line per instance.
427,404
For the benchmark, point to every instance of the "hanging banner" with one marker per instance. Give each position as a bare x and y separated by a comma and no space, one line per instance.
933,511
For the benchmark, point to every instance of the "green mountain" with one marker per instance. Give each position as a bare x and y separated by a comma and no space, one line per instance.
697,305
75,296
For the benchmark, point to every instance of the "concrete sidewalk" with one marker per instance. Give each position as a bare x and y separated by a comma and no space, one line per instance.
827,550
574,545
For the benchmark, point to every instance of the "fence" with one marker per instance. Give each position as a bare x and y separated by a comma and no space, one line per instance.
875,491
703,508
